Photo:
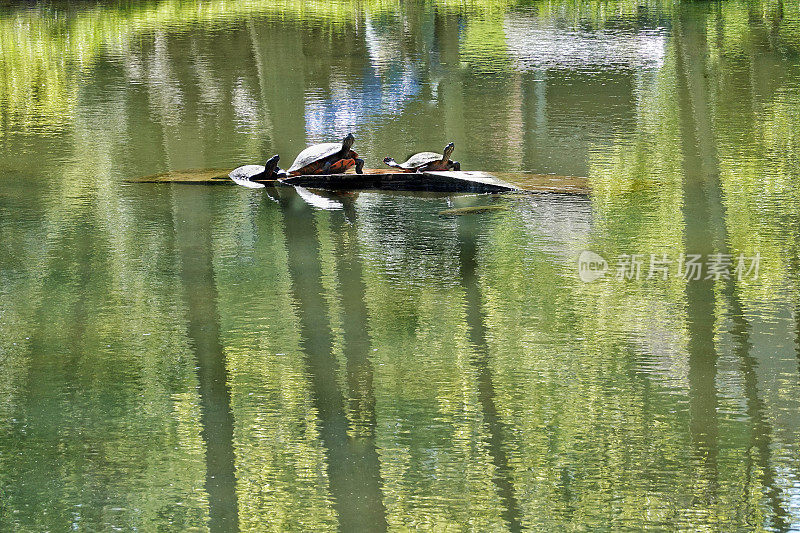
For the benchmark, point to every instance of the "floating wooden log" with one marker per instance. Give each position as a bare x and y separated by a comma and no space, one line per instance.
390,179
439,181
547,183
192,176
472,210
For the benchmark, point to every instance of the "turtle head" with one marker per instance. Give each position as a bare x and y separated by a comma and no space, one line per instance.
271,166
448,150
348,141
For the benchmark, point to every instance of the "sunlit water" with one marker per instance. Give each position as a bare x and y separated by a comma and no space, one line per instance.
188,357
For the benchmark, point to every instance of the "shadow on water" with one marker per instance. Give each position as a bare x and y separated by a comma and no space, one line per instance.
353,466
468,227
192,212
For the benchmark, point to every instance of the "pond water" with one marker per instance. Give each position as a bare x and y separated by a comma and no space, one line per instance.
179,357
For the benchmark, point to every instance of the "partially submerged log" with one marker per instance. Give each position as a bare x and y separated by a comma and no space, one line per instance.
439,181
391,180
192,176
472,210
547,183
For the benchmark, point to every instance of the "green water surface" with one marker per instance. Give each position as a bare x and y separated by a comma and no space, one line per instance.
180,357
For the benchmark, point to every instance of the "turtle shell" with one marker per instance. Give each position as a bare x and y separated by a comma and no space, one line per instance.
246,172
422,158
314,153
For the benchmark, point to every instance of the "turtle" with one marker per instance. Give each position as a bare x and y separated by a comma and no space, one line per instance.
424,161
270,171
327,158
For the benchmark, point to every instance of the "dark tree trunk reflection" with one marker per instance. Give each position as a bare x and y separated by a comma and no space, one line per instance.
193,235
703,210
700,178
468,228
353,467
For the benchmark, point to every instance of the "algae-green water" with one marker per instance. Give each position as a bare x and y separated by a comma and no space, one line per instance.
183,357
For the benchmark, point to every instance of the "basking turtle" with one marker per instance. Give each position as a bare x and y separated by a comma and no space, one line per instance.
270,171
327,158
427,161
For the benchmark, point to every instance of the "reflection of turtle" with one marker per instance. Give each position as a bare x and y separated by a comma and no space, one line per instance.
327,158
269,171
427,161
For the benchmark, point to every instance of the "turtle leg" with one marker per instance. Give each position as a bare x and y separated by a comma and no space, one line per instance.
326,168
455,165
359,165
341,166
